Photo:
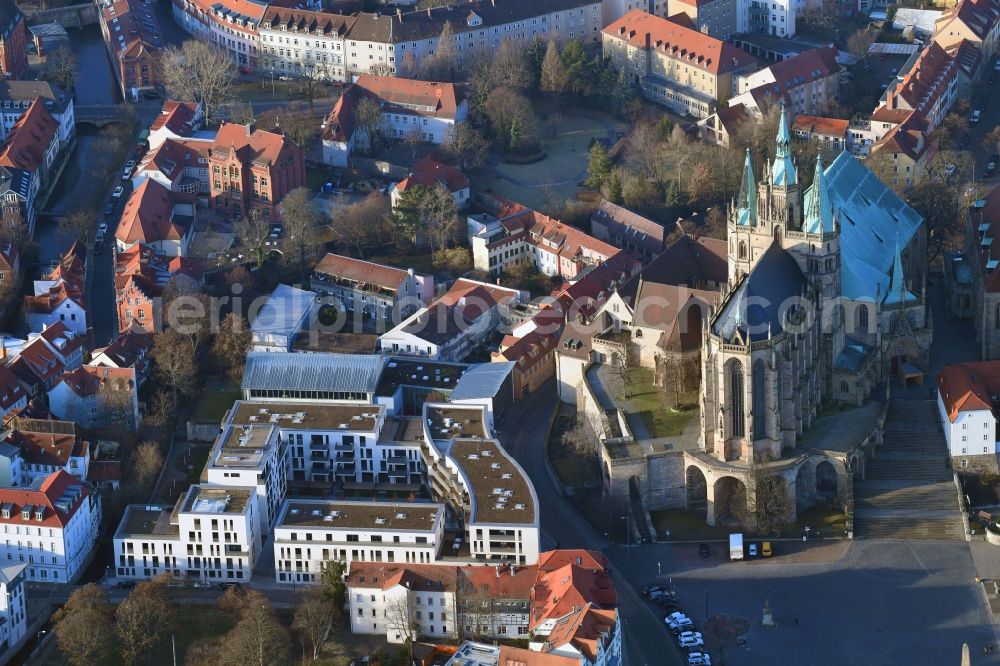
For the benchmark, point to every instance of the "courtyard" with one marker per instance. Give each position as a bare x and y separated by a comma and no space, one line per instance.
547,184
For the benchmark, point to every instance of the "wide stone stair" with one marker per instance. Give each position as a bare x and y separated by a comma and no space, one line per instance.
908,491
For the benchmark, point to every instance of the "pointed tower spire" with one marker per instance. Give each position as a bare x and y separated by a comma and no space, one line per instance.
819,213
783,169
896,293
746,203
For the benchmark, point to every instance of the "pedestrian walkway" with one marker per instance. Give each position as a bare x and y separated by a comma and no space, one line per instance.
908,491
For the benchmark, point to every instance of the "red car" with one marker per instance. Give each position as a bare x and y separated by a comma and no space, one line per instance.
246,69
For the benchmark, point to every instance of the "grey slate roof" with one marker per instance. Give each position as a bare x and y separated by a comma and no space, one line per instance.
55,99
313,372
482,380
762,299
11,571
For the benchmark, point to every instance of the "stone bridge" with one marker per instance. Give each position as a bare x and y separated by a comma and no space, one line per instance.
100,114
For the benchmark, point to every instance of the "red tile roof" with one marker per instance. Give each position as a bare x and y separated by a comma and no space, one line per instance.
502,583
679,42
569,580
45,497
30,138
819,125
926,81
11,390
979,15
400,96
428,172
60,338
176,116
140,29
251,144
43,448
417,577
799,70
88,380
583,628
909,137
174,155
147,217
364,272
515,656
966,387
39,360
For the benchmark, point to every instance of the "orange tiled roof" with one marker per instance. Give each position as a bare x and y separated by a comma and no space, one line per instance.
251,144
820,125
177,116
696,49
147,217
30,138
88,380
50,491
966,387
428,172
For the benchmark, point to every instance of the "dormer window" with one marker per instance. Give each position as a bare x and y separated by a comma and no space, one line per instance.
26,512
39,513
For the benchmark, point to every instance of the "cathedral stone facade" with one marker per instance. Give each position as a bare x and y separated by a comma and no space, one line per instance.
824,302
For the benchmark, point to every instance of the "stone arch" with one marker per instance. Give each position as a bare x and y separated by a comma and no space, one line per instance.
777,233
742,250
730,501
696,489
826,479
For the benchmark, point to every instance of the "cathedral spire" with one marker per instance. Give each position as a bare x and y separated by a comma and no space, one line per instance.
783,169
819,212
896,293
746,203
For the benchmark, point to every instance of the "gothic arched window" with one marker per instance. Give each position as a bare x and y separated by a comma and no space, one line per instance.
736,397
743,250
863,319
759,388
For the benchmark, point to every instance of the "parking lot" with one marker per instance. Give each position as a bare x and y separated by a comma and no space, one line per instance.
826,598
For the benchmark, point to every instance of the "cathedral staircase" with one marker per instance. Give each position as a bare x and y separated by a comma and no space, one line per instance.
908,491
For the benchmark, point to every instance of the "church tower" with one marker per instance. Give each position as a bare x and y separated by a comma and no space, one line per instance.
783,203
742,226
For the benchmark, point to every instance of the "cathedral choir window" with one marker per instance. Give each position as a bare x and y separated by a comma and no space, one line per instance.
759,401
743,250
736,397
863,319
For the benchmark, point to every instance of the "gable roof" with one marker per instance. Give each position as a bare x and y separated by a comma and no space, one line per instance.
697,49
251,144
623,222
987,224
966,387
688,261
873,221
89,380
819,125
58,496
30,138
361,271
429,172
416,577
799,70
177,116
11,391
148,215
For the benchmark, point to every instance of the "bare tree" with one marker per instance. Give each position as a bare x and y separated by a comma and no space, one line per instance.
302,219
368,118
233,342
313,619
467,146
142,619
440,216
312,77
642,150
768,507
79,223
553,78
441,65
201,72
362,224
83,626
473,610
401,617
60,68
859,43
174,362
254,234
258,638
145,466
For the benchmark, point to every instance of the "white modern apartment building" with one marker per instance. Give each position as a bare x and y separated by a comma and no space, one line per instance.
775,18
51,527
486,490
254,456
399,600
211,534
967,401
13,605
310,533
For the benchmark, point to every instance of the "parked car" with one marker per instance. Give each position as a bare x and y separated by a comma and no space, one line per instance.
765,549
119,191
668,604
681,624
699,659
991,166
752,550
99,245
674,616
650,589
125,584
689,635
229,586
691,642
102,228
109,208
245,70
703,549
976,116
203,585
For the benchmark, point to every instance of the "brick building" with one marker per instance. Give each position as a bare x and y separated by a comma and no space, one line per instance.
251,170
13,41
132,34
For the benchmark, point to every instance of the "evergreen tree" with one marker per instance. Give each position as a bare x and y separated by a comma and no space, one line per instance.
613,188
536,55
578,68
553,78
621,93
598,165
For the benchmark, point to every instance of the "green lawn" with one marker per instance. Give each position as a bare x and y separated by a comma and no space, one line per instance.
650,403
212,405
686,526
829,520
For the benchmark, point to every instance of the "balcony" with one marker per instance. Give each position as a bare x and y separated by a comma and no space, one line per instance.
319,446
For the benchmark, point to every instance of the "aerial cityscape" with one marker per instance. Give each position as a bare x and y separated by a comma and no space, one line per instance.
499,333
